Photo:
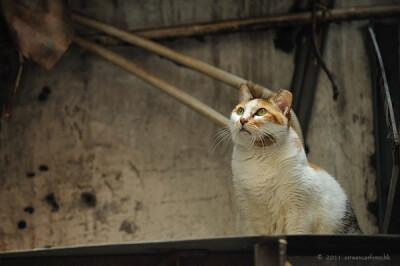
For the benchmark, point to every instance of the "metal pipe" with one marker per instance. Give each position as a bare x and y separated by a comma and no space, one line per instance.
333,15
173,91
393,135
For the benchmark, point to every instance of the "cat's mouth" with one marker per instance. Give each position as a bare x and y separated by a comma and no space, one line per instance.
244,131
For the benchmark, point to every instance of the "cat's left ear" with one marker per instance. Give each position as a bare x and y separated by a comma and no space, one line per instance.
244,93
283,100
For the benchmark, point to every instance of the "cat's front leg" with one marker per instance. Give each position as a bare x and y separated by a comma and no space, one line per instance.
243,226
298,222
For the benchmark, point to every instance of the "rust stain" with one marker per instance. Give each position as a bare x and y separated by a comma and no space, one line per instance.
33,240
3,245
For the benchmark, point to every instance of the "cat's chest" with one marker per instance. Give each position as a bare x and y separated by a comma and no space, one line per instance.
252,173
259,170
259,191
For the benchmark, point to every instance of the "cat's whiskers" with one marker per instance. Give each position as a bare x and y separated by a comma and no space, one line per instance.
220,137
222,130
269,135
261,134
231,136
221,134
262,143
253,140
227,142
219,142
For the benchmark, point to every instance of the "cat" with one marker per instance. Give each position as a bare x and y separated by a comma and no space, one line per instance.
277,191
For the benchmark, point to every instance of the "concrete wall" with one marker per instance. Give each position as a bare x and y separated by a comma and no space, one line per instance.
104,157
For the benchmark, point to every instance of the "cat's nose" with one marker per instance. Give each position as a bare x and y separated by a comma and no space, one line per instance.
243,121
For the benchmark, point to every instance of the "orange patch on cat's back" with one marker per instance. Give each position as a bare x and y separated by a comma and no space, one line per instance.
297,140
313,166
298,143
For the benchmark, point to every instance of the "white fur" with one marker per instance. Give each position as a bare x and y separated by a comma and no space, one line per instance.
276,191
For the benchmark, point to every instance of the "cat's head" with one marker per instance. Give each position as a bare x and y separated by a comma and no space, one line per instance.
260,122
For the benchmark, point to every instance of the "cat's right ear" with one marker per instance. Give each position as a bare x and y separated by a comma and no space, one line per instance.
244,93
283,100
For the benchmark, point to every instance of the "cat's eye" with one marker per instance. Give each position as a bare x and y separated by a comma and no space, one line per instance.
261,112
240,111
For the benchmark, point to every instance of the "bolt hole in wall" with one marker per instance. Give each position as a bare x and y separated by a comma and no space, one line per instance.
21,224
85,117
50,199
44,94
30,174
29,209
43,168
89,199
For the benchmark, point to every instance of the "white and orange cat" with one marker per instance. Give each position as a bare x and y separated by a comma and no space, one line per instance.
277,190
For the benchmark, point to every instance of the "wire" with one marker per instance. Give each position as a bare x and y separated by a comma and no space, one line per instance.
318,53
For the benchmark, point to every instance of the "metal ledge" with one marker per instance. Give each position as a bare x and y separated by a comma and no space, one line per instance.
252,250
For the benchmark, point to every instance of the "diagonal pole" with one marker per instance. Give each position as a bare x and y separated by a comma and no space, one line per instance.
161,84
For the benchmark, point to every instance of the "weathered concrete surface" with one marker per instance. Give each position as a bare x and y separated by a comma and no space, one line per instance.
128,163
341,133
345,150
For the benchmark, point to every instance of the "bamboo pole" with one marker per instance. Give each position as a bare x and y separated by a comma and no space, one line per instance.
131,67
185,60
161,50
333,15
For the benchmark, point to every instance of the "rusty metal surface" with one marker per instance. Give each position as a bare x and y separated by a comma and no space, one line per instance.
42,29
390,120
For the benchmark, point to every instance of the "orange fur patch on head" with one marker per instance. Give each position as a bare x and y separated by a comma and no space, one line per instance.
256,122
277,116
273,114
313,166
